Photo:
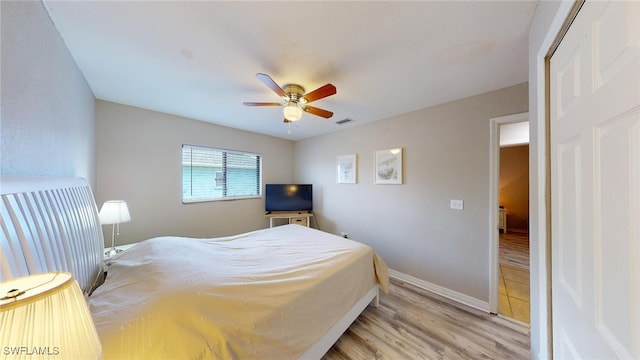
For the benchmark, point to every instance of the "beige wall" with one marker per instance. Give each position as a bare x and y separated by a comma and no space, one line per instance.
139,161
446,156
47,112
514,185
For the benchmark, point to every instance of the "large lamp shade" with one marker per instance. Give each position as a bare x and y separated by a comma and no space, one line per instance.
46,316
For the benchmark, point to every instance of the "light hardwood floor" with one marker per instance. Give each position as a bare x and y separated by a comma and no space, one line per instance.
514,249
412,323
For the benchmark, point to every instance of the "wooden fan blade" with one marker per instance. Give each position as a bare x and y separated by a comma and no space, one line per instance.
267,80
321,92
318,112
287,121
249,103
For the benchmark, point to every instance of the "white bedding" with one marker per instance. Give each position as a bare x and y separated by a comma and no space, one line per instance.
268,294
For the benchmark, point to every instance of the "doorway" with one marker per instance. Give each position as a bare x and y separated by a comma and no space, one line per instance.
513,240
509,217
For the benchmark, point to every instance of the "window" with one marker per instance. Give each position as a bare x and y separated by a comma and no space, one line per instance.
216,174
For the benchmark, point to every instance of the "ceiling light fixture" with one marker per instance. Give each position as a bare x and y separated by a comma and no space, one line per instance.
292,112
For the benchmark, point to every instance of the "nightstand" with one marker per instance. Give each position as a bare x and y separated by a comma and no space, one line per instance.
119,249
502,220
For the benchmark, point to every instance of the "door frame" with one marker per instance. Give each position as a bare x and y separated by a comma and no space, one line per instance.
548,27
494,193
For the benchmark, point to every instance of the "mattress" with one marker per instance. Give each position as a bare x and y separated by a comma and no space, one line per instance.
268,294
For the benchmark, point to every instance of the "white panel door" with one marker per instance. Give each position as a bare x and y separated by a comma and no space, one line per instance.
595,184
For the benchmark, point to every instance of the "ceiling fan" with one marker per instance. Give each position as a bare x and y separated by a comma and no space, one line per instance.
294,99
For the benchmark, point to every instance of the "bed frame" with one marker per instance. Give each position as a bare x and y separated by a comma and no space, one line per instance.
51,224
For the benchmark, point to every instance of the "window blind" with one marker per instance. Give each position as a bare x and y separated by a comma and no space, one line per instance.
218,174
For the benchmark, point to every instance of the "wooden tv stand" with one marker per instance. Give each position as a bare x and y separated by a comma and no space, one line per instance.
295,217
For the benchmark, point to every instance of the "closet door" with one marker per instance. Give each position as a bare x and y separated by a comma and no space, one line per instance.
595,184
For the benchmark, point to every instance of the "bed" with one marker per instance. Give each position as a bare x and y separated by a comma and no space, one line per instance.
286,292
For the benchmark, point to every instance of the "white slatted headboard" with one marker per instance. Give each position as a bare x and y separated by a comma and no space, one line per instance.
49,224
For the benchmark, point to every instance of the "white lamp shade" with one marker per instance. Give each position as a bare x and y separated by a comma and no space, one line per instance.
48,319
114,212
292,112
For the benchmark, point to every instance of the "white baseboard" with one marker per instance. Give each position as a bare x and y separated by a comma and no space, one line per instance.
448,293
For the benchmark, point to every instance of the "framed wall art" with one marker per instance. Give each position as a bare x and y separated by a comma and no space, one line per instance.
346,169
388,166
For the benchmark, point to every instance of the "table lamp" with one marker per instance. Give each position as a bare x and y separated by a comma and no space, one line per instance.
46,316
114,212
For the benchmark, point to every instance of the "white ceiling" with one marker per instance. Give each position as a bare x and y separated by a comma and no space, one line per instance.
199,59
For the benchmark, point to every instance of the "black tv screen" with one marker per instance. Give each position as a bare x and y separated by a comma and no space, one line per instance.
288,197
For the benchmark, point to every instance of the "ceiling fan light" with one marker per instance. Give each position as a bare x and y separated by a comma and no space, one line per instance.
292,112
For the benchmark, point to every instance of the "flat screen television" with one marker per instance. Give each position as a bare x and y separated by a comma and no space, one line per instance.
288,197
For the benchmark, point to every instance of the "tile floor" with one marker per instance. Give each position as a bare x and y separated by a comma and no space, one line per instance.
514,293
514,301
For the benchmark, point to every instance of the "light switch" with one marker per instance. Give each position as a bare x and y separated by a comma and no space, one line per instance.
457,204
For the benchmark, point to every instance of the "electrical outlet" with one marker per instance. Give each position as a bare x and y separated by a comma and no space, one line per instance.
457,204
344,235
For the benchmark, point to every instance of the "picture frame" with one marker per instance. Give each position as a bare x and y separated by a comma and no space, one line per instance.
388,166
346,169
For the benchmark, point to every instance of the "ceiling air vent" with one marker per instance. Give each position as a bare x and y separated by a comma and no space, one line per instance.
344,121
